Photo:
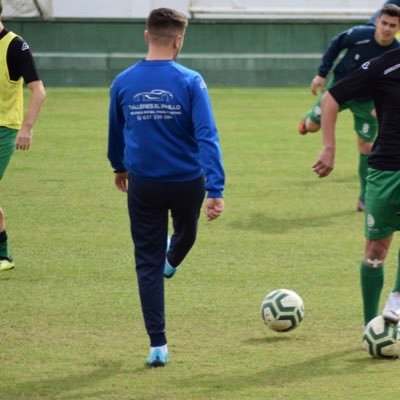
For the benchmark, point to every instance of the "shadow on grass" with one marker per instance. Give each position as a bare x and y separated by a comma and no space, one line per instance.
6,275
269,224
347,179
271,339
48,388
332,365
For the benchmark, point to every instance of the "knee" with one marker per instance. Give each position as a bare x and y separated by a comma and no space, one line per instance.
311,126
375,253
1,214
364,147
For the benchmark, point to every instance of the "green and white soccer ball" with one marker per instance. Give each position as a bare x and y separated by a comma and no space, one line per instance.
282,310
382,339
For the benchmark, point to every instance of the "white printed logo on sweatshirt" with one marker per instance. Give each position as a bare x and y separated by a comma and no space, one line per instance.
156,104
154,95
25,46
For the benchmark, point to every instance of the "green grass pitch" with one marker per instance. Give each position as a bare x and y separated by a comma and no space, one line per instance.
70,322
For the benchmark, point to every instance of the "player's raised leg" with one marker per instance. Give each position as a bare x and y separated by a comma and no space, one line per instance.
186,199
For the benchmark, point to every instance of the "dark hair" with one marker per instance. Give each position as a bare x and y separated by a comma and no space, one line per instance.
390,9
166,22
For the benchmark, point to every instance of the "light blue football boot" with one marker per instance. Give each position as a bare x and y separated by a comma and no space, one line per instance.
157,358
169,270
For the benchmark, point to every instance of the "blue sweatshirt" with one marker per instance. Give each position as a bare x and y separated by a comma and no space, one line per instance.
360,45
161,126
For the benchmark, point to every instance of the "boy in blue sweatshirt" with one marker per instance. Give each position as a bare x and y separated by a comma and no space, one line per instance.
165,152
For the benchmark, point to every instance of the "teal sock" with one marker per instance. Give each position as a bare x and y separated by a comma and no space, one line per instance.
397,282
371,287
4,251
362,174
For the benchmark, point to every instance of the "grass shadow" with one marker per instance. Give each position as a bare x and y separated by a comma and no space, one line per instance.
332,365
273,225
59,387
271,339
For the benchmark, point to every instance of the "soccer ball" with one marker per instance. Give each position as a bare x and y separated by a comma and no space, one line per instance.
382,339
282,310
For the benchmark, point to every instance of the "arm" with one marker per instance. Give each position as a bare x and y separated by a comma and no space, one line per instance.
329,111
38,94
336,46
206,136
116,141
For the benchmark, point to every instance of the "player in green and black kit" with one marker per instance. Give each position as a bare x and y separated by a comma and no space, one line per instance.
361,44
16,66
380,79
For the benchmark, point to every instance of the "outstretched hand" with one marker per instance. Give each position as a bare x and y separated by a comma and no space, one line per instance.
214,208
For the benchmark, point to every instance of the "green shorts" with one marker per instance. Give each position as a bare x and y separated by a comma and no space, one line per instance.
8,138
382,203
365,124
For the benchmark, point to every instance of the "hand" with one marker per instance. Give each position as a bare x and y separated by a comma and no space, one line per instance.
24,139
214,208
121,181
317,84
324,164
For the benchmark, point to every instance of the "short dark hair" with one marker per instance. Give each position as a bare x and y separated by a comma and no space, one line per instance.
390,9
165,22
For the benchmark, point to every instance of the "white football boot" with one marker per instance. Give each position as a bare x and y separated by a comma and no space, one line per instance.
391,312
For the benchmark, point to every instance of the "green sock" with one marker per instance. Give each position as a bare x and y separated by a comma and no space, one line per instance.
397,282
371,286
4,252
308,115
362,174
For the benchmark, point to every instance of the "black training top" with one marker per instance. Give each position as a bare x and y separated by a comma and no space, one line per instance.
20,61
380,79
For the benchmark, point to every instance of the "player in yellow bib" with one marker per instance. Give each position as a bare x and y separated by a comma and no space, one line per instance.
16,67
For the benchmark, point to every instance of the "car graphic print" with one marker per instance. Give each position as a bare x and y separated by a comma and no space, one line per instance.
154,95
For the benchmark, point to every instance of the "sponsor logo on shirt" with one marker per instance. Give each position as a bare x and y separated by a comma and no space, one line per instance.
391,69
157,104
25,46
154,95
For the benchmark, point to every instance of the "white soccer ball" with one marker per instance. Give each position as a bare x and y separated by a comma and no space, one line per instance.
282,310
382,339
